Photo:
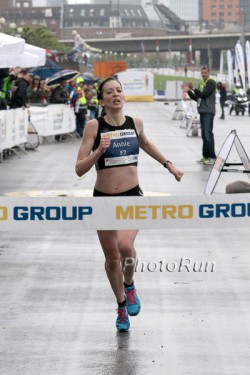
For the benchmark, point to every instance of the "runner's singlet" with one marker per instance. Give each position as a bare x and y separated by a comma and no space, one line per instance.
124,145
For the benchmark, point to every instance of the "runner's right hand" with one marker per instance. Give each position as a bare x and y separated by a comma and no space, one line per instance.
104,143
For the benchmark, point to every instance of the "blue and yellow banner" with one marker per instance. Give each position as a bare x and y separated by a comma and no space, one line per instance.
58,213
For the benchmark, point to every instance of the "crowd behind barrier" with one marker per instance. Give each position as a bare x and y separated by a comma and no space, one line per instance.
48,120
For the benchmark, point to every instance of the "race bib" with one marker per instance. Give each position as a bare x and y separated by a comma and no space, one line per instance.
123,149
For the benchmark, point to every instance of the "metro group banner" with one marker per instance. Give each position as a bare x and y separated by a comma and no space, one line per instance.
107,213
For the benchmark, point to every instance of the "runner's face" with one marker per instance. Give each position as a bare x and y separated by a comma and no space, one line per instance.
112,94
204,74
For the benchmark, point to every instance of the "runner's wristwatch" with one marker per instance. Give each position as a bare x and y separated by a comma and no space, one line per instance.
166,163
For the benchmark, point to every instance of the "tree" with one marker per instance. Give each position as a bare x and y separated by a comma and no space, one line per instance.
43,38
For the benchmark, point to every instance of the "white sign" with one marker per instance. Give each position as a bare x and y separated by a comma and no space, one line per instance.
222,157
137,86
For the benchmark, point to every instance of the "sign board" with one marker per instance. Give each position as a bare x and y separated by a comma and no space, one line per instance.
220,162
138,86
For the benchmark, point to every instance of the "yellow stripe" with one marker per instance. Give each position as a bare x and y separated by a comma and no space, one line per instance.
139,98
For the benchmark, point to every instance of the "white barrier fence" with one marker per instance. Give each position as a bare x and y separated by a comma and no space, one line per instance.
53,119
13,128
61,213
50,120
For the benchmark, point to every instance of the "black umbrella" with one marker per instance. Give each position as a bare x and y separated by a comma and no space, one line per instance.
46,70
63,75
89,78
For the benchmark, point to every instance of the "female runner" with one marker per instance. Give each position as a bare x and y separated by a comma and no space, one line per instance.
112,143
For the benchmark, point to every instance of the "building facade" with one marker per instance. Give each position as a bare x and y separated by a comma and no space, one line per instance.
245,8
216,11
111,19
186,10
99,19
24,14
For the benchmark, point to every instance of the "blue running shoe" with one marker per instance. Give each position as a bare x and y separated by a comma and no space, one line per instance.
133,303
122,321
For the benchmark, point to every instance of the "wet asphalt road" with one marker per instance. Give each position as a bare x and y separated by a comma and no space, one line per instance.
57,311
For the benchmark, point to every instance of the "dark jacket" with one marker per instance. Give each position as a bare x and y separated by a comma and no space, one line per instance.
205,97
59,95
19,96
223,93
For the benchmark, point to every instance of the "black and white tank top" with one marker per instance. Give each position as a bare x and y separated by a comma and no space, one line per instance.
124,145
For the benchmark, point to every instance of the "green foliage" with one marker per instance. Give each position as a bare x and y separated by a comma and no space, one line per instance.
43,38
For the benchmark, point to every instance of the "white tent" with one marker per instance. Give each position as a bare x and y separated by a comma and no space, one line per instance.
10,45
23,54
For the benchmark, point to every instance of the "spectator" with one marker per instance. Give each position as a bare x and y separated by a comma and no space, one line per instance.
205,98
223,97
19,90
72,91
3,75
92,103
36,93
80,107
59,94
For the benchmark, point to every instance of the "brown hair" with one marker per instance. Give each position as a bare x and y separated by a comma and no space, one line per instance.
100,91
100,88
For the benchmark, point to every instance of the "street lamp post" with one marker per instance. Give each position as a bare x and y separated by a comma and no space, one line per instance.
2,22
15,30
157,55
208,54
242,24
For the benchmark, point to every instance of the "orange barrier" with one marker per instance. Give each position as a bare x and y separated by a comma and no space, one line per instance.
104,69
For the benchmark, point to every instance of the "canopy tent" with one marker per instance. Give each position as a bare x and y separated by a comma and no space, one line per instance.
24,55
10,45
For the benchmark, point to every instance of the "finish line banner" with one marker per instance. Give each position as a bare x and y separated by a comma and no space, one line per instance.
60,213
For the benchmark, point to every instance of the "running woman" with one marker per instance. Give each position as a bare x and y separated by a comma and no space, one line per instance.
112,143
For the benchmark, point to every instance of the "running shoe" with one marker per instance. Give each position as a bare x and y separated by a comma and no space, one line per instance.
133,303
122,321
201,161
209,161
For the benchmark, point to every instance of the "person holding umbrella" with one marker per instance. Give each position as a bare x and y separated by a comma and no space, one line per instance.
59,94
57,82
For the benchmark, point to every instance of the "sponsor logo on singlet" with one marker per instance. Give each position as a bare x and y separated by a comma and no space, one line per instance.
123,149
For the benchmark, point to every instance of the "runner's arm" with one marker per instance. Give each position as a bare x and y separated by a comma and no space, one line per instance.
86,158
153,151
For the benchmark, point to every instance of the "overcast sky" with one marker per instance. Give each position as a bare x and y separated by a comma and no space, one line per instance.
78,2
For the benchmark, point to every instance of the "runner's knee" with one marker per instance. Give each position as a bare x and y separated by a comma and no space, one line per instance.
126,248
112,264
